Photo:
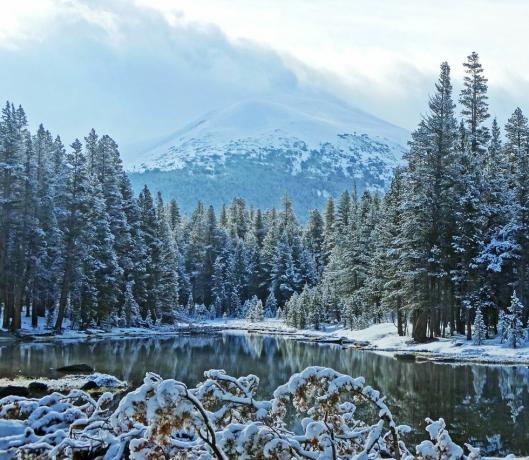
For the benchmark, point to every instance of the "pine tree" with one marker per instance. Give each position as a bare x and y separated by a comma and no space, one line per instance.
388,257
426,213
473,98
343,213
271,309
286,278
502,325
76,204
328,231
514,333
104,271
313,239
254,310
517,152
480,329
166,274
152,245
235,304
131,309
173,217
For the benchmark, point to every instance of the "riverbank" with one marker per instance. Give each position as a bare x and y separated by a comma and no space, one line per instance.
381,337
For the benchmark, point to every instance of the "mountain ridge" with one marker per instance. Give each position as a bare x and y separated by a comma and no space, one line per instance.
307,148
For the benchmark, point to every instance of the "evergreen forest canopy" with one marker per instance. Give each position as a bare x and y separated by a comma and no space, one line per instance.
447,244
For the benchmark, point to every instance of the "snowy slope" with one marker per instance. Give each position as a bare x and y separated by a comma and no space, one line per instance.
307,147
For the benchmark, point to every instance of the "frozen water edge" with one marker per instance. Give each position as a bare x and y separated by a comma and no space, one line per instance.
381,337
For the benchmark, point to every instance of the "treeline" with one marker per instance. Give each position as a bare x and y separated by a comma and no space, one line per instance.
76,244
448,242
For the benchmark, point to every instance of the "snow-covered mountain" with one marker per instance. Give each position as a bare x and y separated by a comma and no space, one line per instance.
262,149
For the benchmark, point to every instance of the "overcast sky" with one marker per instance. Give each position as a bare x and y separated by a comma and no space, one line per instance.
143,68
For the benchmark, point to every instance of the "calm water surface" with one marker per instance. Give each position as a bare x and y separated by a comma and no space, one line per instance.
479,403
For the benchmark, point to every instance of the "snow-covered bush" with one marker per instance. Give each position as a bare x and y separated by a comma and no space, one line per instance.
440,446
219,419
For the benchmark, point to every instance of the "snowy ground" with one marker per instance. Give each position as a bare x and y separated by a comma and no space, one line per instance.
68,382
44,333
381,337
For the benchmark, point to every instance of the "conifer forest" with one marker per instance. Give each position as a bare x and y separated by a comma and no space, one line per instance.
445,245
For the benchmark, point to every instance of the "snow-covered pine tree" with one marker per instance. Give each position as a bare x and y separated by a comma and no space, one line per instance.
190,307
166,274
502,325
517,152
343,213
105,271
286,278
514,333
313,239
329,231
480,329
427,208
270,309
255,311
76,203
236,305
473,98
389,250
131,309
152,247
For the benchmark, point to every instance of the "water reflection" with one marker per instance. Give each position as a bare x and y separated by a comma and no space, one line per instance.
477,400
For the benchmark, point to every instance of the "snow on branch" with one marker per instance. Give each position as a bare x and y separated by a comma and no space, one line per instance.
220,418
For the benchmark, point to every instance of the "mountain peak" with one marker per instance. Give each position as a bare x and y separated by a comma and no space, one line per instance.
317,142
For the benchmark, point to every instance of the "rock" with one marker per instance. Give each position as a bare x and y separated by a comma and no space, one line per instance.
445,359
26,338
90,385
38,388
405,357
81,368
13,390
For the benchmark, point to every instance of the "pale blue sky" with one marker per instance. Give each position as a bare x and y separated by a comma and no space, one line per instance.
142,68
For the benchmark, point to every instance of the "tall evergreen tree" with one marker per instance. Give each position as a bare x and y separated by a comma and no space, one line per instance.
474,98
426,213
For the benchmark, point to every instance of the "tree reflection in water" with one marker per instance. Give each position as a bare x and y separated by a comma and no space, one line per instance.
480,403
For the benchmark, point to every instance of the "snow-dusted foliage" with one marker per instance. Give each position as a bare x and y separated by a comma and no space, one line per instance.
440,446
480,329
255,311
514,333
218,419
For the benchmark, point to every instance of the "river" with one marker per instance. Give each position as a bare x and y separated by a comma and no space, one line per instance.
479,403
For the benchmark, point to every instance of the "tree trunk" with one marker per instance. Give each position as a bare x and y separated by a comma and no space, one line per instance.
459,321
420,324
8,309
469,324
400,322
16,321
34,315
65,287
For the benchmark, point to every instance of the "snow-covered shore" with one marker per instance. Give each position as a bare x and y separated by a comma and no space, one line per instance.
381,337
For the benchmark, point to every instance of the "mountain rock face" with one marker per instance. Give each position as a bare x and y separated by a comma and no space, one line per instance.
261,149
